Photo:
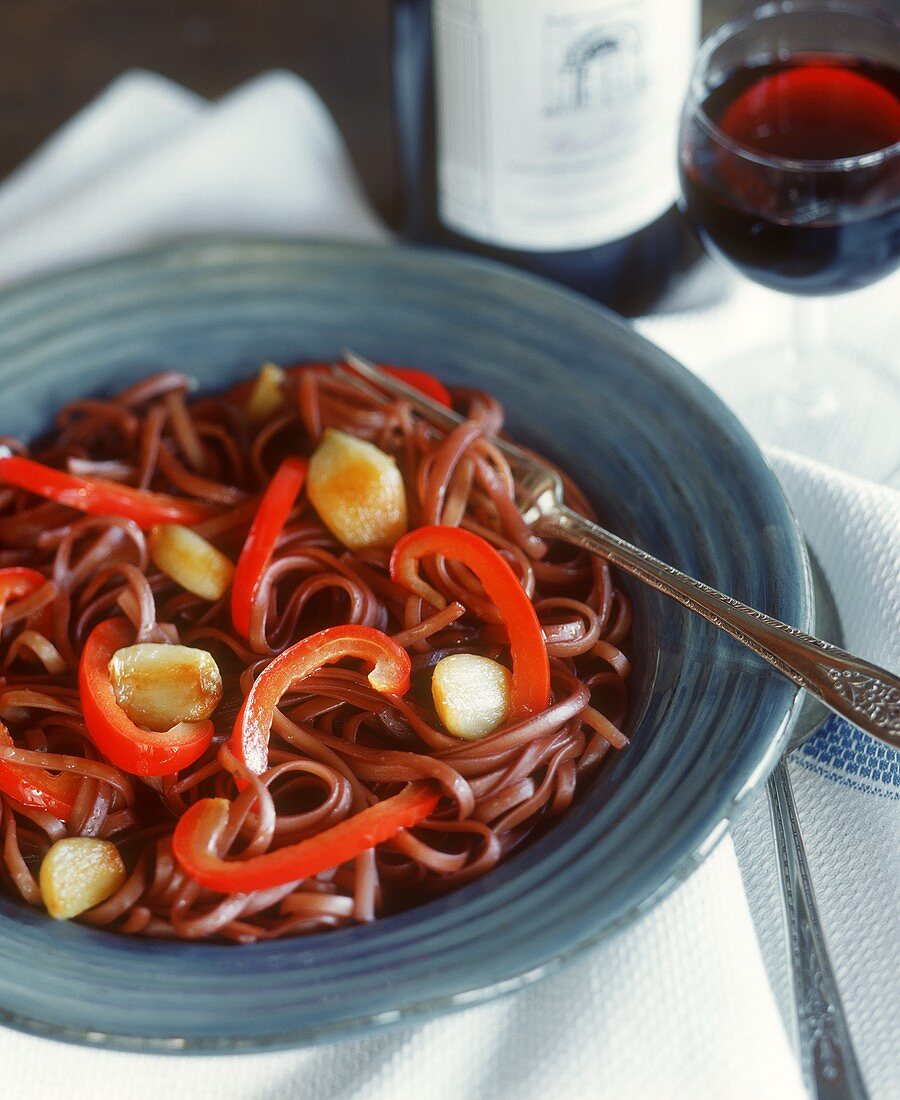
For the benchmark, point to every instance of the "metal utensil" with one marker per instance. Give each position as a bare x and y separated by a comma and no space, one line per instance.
827,1059
866,694
869,696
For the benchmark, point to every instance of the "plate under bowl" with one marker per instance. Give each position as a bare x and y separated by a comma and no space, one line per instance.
668,466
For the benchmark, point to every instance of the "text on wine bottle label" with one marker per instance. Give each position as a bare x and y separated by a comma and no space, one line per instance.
556,119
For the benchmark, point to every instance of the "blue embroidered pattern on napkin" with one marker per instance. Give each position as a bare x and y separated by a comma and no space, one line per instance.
842,753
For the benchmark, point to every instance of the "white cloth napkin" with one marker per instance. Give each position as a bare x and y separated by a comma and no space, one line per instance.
847,786
680,1004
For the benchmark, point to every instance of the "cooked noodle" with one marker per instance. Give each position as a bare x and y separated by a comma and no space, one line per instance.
337,744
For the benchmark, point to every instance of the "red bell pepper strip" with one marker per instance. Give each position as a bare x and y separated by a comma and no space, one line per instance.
531,667
390,674
419,379
276,505
18,582
426,383
124,743
98,496
200,828
36,787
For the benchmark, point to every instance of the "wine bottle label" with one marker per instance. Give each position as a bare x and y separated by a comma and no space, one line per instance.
556,120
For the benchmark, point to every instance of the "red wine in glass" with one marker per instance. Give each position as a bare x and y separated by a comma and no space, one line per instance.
788,171
789,155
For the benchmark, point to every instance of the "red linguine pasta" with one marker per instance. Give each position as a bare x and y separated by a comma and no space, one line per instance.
284,659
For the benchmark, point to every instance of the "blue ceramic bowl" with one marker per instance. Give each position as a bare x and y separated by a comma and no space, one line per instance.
668,467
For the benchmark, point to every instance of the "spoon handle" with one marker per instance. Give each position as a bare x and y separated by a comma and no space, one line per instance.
865,694
827,1059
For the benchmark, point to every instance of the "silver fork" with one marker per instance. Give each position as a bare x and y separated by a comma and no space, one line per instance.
867,695
827,1058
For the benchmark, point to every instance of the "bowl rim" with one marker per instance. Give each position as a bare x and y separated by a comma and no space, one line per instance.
184,249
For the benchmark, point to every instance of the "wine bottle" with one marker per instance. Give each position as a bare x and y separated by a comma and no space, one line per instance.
543,133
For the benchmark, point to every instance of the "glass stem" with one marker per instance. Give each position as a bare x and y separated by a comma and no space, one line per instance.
809,330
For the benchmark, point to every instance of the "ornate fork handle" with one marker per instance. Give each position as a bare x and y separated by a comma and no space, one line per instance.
826,1051
865,694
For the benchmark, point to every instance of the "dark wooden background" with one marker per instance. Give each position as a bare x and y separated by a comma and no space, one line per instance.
55,55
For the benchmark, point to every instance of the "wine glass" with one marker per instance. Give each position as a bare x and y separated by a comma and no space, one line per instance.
789,157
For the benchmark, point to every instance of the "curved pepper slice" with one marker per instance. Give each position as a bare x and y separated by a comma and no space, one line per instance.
390,674
424,382
99,497
124,743
199,830
276,505
419,379
18,582
531,666
36,787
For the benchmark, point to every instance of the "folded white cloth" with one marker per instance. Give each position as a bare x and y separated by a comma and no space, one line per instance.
266,159
678,1005
846,784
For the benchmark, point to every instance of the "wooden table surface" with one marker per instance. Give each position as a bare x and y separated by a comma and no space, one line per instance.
56,55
